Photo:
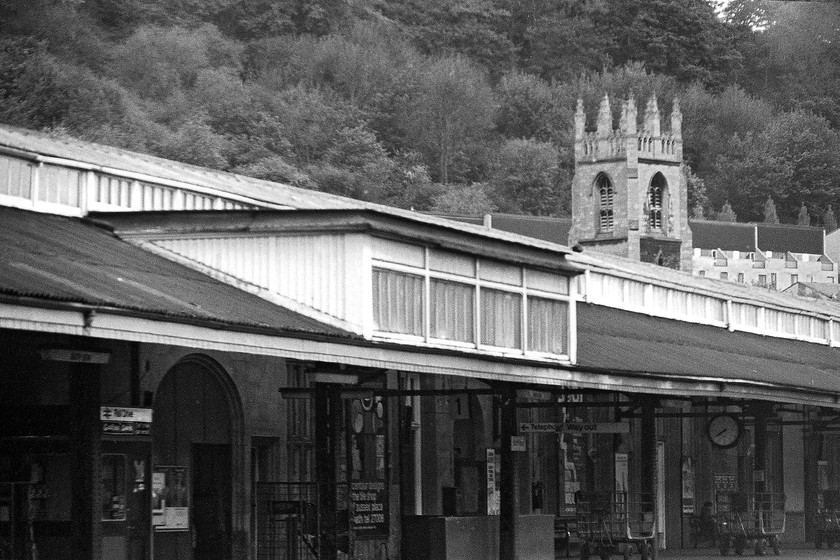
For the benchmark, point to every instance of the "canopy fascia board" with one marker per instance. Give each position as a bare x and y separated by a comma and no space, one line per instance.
96,323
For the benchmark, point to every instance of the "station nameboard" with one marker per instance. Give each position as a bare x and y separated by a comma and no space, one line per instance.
576,427
125,421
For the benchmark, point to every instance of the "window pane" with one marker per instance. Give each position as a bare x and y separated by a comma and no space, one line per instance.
113,498
502,273
547,281
452,308
397,302
453,263
548,325
395,252
501,319
15,177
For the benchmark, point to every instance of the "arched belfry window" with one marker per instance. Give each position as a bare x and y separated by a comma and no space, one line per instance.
606,195
656,201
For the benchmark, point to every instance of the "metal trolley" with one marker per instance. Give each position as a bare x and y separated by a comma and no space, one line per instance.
615,523
749,520
827,519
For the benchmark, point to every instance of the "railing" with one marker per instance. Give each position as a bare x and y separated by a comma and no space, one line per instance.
302,521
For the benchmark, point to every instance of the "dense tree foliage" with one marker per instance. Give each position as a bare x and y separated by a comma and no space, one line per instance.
460,106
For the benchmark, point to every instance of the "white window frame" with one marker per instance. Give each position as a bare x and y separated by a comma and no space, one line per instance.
479,284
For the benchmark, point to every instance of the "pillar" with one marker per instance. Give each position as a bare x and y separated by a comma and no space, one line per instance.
85,461
508,478
647,448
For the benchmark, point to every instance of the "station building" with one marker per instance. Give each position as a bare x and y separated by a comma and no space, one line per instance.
204,365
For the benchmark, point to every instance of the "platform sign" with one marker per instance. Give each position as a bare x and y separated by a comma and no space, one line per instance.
576,427
125,421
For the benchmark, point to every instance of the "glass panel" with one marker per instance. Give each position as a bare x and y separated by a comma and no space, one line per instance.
59,185
660,298
501,318
803,325
548,325
788,323
453,263
113,487
819,328
635,293
401,253
547,281
397,302
452,308
771,320
502,273
15,177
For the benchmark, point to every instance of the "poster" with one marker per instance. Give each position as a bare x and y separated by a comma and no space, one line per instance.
170,499
369,513
493,470
688,485
622,472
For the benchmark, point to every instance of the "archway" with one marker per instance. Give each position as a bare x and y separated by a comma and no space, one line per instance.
197,422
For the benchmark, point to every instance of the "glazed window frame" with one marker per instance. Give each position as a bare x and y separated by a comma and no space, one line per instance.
489,288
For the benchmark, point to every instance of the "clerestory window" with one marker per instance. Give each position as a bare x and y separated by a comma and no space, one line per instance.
606,196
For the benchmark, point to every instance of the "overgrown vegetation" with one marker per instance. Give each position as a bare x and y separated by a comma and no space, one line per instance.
444,105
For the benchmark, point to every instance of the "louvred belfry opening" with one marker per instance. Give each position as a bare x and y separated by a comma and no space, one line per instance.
605,192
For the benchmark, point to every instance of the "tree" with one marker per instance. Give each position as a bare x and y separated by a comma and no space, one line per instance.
466,200
525,179
746,173
474,30
804,218
557,39
452,108
770,216
530,108
726,213
829,220
680,38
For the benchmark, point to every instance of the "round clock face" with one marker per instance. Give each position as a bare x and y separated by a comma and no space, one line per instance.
724,430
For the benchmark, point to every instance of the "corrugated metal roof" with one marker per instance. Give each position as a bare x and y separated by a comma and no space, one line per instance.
827,289
729,236
786,237
66,259
623,341
555,230
256,189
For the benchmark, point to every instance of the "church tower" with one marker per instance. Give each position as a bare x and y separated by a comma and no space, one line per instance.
629,194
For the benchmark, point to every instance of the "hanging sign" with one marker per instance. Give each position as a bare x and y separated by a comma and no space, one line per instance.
576,427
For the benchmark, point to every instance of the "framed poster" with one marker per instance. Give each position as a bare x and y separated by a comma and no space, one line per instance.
688,485
170,499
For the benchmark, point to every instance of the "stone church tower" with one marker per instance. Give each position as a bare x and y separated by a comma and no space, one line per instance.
629,194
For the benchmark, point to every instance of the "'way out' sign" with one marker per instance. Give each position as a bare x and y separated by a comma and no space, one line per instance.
576,427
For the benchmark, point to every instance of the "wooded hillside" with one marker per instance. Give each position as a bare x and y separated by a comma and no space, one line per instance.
458,106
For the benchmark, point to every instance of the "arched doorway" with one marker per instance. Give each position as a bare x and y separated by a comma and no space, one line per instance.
195,417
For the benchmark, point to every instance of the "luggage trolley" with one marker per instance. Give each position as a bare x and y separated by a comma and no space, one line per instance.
749,519
615,523
828,519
